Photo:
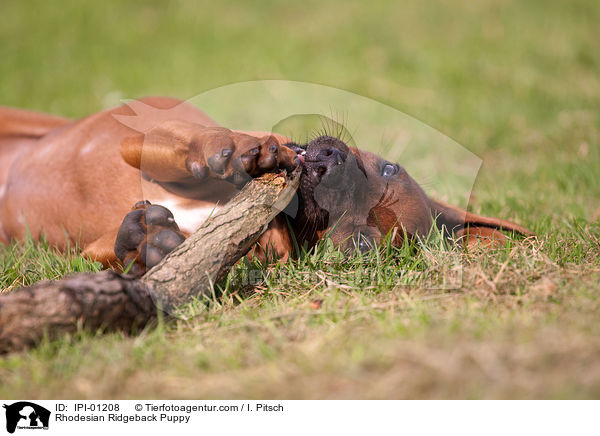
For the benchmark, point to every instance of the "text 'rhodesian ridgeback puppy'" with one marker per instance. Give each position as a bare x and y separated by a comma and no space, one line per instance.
76,181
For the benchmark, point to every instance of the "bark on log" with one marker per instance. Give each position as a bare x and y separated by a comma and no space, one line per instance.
114,302
207,256
105,299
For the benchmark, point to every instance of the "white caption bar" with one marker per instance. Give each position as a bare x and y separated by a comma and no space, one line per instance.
23,417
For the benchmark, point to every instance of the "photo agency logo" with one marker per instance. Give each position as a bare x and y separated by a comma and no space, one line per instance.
368,175
25,415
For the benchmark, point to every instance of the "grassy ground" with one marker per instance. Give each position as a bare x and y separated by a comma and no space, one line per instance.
515,82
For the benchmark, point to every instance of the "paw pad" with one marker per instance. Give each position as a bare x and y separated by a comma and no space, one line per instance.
147,234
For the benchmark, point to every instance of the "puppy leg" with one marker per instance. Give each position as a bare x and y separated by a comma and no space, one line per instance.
102,250
178,151
274,244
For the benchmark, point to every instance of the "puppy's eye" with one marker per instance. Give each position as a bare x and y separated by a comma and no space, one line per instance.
389,170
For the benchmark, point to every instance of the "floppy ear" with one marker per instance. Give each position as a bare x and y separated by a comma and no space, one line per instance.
162,151
472,228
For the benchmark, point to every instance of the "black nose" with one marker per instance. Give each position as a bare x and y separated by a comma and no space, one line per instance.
331,155
326,161
325,156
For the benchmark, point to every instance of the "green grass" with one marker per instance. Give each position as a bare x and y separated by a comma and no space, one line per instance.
515,82
24,263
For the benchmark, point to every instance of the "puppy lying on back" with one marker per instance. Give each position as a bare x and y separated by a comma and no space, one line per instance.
76,181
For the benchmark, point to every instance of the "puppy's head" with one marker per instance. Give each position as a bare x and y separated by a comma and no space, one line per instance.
357,198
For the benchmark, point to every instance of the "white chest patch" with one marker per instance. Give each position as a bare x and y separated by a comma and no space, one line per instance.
188,219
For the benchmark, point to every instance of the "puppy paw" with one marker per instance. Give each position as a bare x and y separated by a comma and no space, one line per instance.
237,157
147,234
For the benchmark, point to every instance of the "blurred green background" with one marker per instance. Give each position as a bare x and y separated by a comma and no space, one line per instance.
476,70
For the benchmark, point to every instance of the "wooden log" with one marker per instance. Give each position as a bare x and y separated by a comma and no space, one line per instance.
207,256
53,308
112,301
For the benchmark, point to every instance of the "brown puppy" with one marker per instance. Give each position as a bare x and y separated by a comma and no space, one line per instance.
75,181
